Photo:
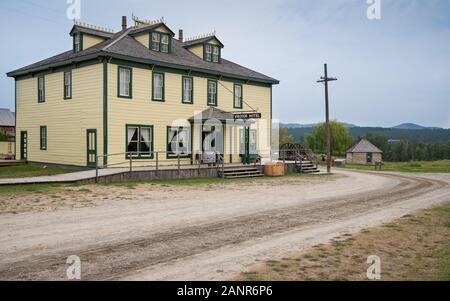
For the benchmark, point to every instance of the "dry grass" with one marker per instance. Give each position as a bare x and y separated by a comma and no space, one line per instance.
412,248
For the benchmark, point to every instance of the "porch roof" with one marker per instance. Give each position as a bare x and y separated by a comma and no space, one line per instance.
218,114
212,113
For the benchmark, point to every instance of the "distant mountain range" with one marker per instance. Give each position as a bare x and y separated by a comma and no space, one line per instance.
403,126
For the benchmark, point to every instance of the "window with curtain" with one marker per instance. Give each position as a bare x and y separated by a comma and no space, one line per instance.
139,141
124,82
212,93
187,90
67,84
238,96
158,86
178,141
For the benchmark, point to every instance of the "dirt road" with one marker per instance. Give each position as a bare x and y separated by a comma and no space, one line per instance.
206,232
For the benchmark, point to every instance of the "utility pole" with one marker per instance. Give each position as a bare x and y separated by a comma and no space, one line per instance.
325,79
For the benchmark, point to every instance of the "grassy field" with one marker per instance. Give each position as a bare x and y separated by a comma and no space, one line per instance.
23,171
412,248
419,166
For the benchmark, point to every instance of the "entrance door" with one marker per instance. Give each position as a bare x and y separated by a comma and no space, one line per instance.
23,145
246,157
91,145
369,157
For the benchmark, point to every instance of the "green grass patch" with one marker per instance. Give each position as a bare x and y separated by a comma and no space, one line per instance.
418,166
25,171
29,188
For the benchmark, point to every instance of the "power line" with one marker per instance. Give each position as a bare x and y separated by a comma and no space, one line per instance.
232,92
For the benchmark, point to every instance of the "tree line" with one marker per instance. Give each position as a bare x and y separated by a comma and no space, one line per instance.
401,150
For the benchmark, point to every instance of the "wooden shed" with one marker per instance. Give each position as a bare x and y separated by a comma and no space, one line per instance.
364,152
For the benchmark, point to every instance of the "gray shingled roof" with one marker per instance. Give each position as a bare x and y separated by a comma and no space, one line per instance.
7,118
201,41
364,146
91,31
123,46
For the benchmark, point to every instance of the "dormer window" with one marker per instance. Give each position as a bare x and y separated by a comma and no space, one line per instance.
160,42
216,54
212,53
77,42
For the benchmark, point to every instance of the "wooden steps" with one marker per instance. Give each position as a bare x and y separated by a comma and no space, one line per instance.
241,172
307,167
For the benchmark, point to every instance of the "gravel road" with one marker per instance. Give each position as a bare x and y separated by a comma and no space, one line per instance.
207,232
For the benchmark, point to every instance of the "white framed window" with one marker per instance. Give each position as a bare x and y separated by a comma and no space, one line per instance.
158,86
164,43
125,82
178,141
237,96
156,38
187,90
67,84
216,54
212,93
208,52
139,141
41,89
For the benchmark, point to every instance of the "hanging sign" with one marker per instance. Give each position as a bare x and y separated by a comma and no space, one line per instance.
248,116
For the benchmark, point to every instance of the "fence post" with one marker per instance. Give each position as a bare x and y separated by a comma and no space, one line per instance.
131,163
179,170
157,164
96,169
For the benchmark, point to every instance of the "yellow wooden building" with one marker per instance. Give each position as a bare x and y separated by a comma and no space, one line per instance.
139,92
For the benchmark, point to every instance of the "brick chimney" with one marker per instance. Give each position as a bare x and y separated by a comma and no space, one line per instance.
180,35
124,23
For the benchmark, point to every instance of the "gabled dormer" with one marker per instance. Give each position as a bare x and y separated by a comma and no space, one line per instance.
85,36
153,34
208,47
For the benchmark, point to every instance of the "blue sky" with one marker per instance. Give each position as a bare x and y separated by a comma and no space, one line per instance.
390,71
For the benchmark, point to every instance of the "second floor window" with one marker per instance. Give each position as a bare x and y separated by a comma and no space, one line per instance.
67,84
41,89
237,96
212,93
124,82
158,86
187,90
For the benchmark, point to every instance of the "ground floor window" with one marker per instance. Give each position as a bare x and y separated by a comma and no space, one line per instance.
178,142
43,138
139,141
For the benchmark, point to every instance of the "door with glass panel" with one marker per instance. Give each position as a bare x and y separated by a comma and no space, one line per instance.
91,146
23,145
